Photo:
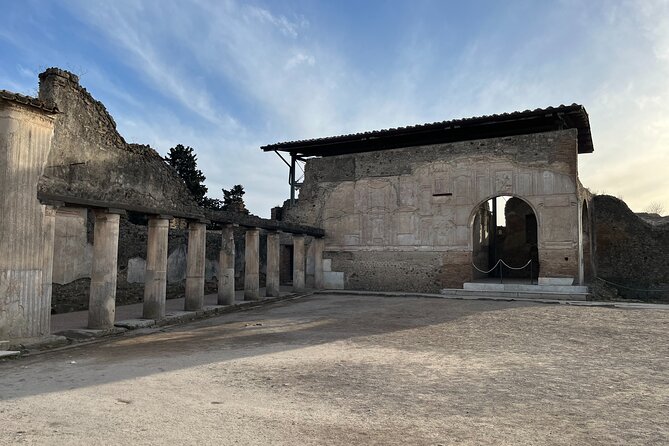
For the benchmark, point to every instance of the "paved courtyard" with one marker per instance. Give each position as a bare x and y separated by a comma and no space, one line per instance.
341,370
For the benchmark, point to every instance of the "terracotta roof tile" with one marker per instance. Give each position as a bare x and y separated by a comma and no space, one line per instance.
578,119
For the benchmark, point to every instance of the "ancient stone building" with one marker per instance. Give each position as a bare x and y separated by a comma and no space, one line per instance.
403,208
68,179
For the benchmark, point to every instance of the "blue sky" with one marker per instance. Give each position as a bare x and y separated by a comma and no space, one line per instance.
226,77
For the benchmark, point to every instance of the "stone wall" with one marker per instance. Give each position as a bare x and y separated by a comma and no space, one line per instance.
402,219
90,160
630,251
73,246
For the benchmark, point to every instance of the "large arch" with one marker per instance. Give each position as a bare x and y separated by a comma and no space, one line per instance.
505,227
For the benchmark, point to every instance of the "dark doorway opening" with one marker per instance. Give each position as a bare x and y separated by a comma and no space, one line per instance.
505,239
286,265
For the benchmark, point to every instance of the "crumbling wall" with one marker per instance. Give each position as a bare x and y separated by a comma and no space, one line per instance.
402,219
90,160
630,251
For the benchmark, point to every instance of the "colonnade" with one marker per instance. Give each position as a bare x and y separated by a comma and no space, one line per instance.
102,300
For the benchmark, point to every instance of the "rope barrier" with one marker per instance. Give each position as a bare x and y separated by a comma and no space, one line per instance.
661,290
517,269
503,263
486,272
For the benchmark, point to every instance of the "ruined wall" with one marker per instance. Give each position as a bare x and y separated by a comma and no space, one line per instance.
26,226
630,251
89,159
72,246
402,219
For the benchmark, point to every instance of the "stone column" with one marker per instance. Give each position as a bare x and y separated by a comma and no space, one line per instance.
47,267
318,263
102,299
155,279
195,263
226,267
252,265
272,277
298,262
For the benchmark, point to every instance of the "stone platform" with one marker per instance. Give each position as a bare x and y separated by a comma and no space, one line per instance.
519,290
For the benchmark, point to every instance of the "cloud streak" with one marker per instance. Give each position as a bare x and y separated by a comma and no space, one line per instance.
226,77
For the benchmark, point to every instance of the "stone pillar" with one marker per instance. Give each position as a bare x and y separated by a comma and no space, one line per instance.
226,267
298,262
102,299
195,263
155,279
318,263
25,141
272,277
252,269
47,267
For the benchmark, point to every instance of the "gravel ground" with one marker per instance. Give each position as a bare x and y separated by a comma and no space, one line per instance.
342,370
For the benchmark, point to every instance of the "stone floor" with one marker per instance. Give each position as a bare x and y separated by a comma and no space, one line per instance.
342,370
79,319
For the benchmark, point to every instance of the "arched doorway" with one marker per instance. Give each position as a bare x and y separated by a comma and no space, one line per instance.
505,239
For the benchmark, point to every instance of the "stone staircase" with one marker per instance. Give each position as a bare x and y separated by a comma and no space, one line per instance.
514,290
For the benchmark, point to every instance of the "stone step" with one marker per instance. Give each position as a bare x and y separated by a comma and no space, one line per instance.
497,294
525,287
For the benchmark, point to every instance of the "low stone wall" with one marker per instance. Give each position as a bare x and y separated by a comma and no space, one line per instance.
630,251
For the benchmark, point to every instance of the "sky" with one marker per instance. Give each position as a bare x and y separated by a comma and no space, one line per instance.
226,77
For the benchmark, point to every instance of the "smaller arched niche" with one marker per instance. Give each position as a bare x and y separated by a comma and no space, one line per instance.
505,227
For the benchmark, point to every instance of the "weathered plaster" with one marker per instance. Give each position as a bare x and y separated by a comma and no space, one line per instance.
403,218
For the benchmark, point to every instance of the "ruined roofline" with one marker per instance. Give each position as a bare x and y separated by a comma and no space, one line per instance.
482,127
28,100
73,79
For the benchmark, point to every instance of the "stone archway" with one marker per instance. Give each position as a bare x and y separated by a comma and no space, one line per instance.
505,228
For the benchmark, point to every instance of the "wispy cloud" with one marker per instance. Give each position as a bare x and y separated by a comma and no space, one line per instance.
235,75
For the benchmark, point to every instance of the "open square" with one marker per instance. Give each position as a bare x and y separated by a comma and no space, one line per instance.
340,370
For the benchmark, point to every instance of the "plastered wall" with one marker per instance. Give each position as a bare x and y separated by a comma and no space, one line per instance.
402,219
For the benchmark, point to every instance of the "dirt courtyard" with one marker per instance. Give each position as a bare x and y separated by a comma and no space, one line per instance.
344,370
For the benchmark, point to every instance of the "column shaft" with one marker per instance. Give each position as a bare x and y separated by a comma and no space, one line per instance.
155,279
252,265
272,277
195,263
47,268
226,267
298,262
318,263
102,298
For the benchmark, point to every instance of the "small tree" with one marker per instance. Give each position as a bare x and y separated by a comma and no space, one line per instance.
184,161
655,208
212,203
233,199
